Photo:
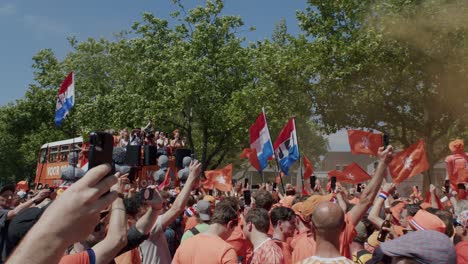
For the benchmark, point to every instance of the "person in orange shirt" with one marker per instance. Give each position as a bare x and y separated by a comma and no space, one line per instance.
284,223
351,218
210,246
255,230
263,199
328,223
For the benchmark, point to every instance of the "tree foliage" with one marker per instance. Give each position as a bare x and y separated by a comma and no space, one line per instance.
396,66
197,75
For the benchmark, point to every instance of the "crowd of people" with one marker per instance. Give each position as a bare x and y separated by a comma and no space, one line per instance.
98,220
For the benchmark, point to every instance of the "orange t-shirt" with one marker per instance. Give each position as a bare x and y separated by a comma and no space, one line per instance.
346,237
78,258
241,245
286,249
205,249
304,244
129,257
462,252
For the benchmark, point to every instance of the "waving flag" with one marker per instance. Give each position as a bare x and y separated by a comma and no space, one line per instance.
286,147
309,169
251,154
260,140
220,179
408,163
362,142
355,174
65,100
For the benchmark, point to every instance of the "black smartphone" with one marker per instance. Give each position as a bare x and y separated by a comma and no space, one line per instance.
246,182
358,187
312,182
275,186
132,174
247,197
333,184
447,186
100,149
147,194
461,186
386,140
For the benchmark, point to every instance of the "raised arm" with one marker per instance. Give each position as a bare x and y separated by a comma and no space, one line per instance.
74,215
374,217
36,200
434,203
181,200
369,193
116,237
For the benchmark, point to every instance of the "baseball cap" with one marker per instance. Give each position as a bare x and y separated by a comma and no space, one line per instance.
426,246
424,220
203,209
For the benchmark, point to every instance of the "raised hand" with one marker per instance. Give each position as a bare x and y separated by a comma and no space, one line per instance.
385,156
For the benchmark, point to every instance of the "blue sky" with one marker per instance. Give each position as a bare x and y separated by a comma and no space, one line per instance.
29,26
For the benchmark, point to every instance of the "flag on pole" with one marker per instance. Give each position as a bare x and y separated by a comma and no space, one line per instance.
309,168
260,140
251,154
408,163
354,174
220,179
362,142
65,99
286,147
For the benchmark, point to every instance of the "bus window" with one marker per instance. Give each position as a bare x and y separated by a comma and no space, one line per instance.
64,150
53,154
43,156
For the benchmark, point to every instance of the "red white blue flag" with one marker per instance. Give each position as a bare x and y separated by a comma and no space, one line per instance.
286,147
65,99
260,140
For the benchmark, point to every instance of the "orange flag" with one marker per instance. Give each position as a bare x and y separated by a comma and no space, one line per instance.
167,180
362,142
309,169
355,174
408,163
251,154
220,179
336,173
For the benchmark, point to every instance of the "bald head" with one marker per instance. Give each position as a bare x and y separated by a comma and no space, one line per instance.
328,218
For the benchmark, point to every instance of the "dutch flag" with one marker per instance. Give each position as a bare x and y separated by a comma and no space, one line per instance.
65,99
286,147
260,140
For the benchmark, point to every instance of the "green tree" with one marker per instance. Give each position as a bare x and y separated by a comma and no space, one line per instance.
397,66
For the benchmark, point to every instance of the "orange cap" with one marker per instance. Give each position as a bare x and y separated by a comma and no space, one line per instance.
424,220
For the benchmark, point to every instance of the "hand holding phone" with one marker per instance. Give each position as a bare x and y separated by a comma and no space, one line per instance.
100,149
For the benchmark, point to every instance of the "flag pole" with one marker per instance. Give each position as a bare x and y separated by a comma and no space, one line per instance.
278,172
299,151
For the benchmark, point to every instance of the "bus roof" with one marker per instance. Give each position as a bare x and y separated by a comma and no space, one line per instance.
63,142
